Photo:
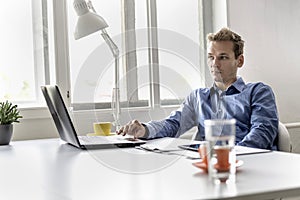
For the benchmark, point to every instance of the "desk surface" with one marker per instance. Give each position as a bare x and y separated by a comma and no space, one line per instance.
47,169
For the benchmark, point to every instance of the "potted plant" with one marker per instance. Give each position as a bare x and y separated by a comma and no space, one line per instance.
9,113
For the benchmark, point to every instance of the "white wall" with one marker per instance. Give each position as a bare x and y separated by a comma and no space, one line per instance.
271,29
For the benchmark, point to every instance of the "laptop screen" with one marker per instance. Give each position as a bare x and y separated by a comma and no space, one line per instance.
60,114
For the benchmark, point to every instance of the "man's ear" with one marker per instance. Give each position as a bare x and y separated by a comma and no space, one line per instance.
240,60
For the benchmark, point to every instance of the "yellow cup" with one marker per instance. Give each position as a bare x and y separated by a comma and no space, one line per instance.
102,128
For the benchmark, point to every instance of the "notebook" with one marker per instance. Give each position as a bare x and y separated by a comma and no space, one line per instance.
67,130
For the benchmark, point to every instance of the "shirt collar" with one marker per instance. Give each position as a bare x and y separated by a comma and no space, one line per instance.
238,85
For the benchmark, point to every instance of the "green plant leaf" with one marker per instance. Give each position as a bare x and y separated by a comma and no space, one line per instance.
9,113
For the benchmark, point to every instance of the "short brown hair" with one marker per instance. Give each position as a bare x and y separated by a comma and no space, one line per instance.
225,34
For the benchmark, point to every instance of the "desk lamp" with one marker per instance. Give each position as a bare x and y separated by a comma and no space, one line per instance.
89,22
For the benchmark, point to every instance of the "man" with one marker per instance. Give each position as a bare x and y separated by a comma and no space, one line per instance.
252,104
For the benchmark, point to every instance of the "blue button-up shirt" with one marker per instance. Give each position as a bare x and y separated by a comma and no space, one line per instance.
252,105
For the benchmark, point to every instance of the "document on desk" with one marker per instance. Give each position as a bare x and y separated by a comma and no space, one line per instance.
241,150
165,144
169,146
174,146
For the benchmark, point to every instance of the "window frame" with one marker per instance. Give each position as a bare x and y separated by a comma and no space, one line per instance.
61,50
128,23
62,68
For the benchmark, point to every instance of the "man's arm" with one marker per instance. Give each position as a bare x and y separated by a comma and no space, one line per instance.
264,119
177,123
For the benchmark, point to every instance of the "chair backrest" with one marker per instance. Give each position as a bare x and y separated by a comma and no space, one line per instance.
284,140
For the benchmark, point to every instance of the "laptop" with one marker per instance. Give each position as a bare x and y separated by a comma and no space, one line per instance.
67,130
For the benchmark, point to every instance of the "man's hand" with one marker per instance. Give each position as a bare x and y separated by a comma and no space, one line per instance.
134,128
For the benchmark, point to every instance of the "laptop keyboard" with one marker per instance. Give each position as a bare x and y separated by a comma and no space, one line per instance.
92,140
105,139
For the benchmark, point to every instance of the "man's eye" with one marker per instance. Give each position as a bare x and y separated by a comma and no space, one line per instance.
210,57
223,57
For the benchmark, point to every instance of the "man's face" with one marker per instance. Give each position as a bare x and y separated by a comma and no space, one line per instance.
222,63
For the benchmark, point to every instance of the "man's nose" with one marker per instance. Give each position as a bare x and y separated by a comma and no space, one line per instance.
215,63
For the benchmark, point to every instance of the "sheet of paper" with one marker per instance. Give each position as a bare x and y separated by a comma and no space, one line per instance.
166,144
241,150
170,145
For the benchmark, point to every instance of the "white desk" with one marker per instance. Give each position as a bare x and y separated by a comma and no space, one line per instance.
46,169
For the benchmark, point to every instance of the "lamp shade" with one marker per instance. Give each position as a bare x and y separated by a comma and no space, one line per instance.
88,22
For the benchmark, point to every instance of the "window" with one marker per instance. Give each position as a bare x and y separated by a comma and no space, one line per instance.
178,58
179,49
38,47
26,51
91,60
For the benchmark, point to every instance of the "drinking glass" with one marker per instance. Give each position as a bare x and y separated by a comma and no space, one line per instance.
220,134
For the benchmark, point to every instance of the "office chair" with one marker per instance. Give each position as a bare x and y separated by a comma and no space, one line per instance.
284,140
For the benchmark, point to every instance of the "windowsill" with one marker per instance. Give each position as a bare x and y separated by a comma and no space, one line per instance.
43,112
34,113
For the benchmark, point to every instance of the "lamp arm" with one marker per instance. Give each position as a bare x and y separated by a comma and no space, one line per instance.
82,7
113,47
116,90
